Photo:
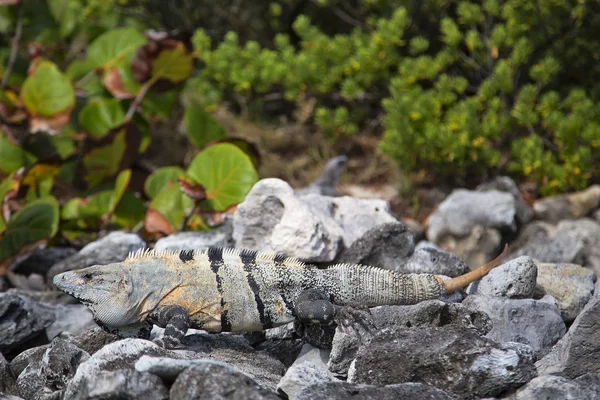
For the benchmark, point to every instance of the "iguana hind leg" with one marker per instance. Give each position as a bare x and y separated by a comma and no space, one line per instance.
175,320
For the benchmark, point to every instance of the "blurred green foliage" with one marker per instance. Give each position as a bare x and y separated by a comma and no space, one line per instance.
458,90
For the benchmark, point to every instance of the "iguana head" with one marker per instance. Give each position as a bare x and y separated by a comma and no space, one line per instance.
107,290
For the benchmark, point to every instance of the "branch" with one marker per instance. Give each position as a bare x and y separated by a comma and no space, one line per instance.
138,99
15,46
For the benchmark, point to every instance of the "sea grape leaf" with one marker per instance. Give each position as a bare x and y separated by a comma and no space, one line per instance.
247,147
129,212
173,64
47,91
99,116
108,49
160,178
12,156
171,204
227,174
201,127
36,221
102,162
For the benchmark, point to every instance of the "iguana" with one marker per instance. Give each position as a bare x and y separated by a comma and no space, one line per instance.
231,290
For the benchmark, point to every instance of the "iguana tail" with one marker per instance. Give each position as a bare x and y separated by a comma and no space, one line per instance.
452,285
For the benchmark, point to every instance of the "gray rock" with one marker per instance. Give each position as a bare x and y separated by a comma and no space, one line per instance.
590,383
345,390
8,380
465,209
309,368
311,227
506,184
451,358
433,313
286,350
537,323
429,259
50,375
127,383
572,242
218,237
217,381
72,318
118,355
326,182
92,340
571,285
27,357
21,320
514,279
39,261
549,387
568,206
578,352
384,246
113,247
477,248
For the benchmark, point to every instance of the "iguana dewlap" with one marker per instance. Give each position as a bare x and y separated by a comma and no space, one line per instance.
231,290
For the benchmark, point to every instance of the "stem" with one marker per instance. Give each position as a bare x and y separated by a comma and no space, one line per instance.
85,79
15,46
188,215
138,99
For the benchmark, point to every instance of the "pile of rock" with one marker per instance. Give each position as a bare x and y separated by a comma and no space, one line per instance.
528,330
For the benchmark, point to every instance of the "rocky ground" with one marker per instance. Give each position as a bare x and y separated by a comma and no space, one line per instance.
529,330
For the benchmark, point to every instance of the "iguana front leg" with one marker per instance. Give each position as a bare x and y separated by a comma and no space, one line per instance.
317,313
175,320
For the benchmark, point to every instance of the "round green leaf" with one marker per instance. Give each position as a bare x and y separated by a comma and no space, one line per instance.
113,45
171,204
173,64
47,91
129,212
227,174
160,178
12,157
99,116
201,127
36,221
120,185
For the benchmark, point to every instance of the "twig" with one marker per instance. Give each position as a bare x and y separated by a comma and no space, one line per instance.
138,99
85,79
15,46
188,215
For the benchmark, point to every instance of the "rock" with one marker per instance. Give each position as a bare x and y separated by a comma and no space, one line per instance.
325,184
218,237
571,242
285,351
39,261
515,278
345,390
8,380
113,247
465,209
415,227
384,246
590,383
506,184
568,206
27,357
537,323
480,246
213,380
311,227
433,313
309,368
72,318
571,285
451,358
50,375
127,383
549,387
429,259
93,340
21,320
578,352
118,355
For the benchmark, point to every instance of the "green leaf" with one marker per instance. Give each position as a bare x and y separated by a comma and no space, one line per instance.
201,127
120,185
171,204
173,64
160,178
113,46
226,172
47,91
158,105
102,162
129,212
12,157
36,221
99,116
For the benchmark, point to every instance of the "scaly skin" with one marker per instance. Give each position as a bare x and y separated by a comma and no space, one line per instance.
230,290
